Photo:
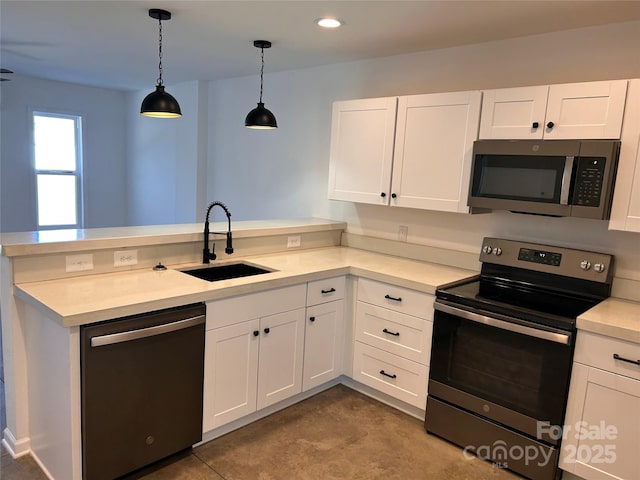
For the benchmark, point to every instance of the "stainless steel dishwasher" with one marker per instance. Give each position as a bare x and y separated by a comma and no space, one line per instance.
142,380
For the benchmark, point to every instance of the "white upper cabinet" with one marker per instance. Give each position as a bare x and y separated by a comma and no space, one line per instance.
434,144
590,110
429,167
362,135
625,210
513,113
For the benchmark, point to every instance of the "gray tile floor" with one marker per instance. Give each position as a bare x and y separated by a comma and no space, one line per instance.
337,434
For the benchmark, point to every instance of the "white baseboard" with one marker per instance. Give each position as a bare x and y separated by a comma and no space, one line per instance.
15,448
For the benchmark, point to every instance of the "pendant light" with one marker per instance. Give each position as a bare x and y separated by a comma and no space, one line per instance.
160,104
260,117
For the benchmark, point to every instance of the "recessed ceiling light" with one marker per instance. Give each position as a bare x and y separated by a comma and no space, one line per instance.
329,22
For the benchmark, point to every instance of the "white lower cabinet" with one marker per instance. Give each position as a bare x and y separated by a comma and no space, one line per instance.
324,332
231,369
253,353
281,356
602,425
393,329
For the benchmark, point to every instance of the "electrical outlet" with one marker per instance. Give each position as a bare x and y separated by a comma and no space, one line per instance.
78,263
124,258
293,241
403,230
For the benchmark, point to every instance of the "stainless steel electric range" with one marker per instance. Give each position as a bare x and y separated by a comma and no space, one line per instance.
502,352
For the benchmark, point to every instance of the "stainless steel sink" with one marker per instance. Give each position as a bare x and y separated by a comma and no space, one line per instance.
226,271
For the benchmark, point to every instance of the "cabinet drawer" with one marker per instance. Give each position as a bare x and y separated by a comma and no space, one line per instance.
598,350
391,374
326,290
400,299
397,333
232,310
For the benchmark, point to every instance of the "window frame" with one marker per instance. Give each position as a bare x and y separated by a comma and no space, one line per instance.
77,173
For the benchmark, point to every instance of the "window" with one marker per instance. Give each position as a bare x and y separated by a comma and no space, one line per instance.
57,158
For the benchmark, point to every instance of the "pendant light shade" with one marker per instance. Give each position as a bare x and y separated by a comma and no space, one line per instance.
160,104
260,117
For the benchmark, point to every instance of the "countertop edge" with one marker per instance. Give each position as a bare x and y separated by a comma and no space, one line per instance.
614,317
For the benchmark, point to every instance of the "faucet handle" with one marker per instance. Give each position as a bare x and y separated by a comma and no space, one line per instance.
229,248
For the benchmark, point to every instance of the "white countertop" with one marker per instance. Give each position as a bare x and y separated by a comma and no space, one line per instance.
92,298
614,318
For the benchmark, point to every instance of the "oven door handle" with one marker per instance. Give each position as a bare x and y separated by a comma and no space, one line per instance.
504,325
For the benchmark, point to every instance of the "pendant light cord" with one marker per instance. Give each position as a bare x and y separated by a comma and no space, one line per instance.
160,51
261,72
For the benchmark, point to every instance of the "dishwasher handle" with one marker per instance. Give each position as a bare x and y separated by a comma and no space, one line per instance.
121,337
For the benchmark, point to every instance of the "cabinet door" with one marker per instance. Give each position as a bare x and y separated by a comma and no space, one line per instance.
323,343
230,373
434,142
512,113
585,110
602,427
281,356
362,135
625,210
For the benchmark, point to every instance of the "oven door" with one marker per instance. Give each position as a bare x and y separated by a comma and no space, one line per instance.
501,368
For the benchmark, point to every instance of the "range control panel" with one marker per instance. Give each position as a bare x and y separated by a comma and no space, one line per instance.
540,256
569,262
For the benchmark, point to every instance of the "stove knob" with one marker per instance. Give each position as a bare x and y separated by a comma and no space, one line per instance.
497,251
599,267
487,249
585,265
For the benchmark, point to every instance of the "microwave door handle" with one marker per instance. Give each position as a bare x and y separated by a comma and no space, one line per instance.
566,180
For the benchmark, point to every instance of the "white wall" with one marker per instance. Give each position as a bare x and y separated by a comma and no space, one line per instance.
166,159
283,173
103,149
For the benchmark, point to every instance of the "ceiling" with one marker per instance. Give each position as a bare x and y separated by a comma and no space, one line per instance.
114,43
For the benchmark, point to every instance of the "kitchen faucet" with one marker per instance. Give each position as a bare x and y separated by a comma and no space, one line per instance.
210,255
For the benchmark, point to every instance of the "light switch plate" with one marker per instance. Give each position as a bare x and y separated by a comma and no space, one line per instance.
124,258
78,263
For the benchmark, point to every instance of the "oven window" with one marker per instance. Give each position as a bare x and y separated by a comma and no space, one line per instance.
519,177
516,371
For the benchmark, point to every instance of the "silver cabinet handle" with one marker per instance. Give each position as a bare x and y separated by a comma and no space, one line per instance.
504,325
121,337
566,181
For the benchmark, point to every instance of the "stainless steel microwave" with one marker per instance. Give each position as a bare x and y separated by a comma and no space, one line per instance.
561,178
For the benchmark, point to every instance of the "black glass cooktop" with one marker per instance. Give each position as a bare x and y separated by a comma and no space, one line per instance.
528,302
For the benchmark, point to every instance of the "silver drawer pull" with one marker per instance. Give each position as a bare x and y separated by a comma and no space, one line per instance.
395,334
622,359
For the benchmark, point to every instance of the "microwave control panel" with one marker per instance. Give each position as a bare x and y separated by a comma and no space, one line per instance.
588,181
